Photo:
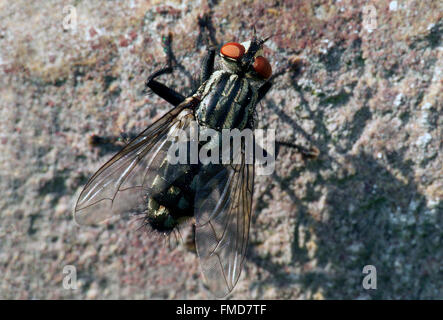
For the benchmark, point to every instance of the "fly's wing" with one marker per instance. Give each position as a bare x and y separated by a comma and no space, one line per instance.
122,184
223,213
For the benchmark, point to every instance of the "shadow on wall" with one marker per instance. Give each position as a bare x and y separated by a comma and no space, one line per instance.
374,218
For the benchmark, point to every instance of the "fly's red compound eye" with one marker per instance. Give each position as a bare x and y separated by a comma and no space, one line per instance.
262,67
233,50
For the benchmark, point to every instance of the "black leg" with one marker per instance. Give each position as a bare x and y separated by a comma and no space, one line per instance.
170,95
160,89
311,153
206,35
263,90
207,65
172,60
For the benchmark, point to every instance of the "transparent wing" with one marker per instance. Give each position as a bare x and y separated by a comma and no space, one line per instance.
223,212
122,184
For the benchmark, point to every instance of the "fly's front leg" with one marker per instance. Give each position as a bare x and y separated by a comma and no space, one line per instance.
263,90
311,153
172,60
170,95
207,65
206,36
160,89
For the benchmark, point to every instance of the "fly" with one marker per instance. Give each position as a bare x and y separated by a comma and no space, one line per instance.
216,197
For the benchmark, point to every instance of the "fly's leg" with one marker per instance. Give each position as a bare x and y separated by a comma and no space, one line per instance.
260,95
311,153
204,22
206,36
162,90
172,60
263,90
168,94
207,65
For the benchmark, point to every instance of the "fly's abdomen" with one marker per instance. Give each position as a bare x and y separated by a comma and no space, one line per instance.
227,101
169,203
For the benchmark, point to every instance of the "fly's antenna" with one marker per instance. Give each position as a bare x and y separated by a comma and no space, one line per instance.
265,39
271,36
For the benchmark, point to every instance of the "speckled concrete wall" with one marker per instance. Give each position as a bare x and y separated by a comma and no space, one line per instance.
366,90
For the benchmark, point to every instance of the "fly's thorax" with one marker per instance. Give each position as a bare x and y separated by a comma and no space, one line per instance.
227,101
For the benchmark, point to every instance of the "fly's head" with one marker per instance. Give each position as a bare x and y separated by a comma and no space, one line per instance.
246,59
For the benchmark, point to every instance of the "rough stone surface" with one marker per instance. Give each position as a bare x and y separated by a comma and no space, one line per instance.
367,93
